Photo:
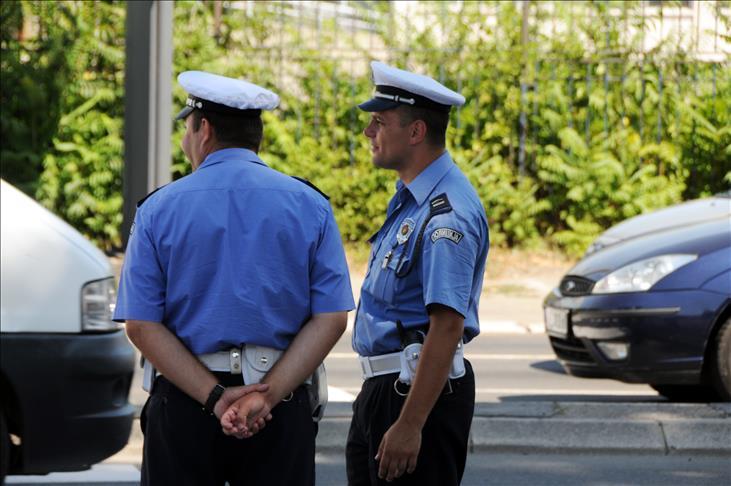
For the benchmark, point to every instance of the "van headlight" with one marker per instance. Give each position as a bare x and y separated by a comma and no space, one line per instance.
98,299
640,276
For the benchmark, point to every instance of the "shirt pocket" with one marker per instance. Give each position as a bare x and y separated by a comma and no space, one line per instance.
387,286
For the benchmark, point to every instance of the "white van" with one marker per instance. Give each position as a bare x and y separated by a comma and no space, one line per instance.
66,367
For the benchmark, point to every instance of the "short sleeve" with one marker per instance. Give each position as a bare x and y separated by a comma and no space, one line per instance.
142,284
450,250
330,289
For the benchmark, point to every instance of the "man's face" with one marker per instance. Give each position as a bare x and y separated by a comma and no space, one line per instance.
389,140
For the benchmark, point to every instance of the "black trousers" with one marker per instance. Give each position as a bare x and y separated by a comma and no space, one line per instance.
185,446
444,438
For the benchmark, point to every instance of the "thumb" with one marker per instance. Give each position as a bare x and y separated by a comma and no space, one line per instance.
379,454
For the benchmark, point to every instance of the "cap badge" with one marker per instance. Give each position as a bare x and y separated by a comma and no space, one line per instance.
407,227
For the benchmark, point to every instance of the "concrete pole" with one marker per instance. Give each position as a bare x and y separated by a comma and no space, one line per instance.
148,102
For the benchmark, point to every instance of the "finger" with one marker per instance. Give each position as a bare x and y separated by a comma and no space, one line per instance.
258,387
228,417
379,454
411,465
383,466
257,426
393,471
401,468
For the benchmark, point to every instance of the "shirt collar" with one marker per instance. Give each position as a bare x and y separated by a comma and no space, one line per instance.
426,181
231,154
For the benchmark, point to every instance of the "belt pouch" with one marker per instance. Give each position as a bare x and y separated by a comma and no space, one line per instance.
317,392
257,361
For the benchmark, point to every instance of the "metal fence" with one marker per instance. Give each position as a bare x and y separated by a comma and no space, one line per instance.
677,47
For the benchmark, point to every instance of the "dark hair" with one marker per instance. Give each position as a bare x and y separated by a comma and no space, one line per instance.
232,130
436,122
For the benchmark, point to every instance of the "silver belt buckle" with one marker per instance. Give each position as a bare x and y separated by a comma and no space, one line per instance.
235,361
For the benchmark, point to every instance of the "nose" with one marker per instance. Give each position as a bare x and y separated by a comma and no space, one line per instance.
368,131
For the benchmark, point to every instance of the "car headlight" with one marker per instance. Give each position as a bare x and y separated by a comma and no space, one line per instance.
640,276
98,299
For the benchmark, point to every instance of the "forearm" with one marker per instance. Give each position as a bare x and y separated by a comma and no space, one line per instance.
309,348
445,331
171,358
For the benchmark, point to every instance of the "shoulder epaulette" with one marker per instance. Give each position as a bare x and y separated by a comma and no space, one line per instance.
305,181
141,201
439,204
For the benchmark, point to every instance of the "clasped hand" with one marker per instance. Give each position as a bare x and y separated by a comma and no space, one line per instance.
248,414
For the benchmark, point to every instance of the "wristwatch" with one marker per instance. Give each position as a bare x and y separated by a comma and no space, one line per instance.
213,398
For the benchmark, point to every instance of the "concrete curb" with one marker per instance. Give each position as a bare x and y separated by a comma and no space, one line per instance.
547,427
661,428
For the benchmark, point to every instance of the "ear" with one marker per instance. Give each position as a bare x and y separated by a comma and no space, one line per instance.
206,130
417,132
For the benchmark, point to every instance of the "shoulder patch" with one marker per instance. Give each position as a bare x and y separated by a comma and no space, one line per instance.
448,233
305,181
142,201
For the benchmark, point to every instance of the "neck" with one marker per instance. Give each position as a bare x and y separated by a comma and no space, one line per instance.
420,160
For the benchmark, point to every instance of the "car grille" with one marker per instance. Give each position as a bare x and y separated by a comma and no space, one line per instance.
572,285
571,349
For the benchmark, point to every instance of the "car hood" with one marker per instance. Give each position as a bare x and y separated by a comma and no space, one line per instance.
697,239
678,216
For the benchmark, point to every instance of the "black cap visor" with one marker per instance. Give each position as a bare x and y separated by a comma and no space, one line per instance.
193,103
184,113
390,97
378,104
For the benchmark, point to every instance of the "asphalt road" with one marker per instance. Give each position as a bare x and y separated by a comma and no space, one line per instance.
508,367
486,468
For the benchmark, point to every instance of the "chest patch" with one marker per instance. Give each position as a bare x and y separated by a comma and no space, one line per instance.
407,227
448,233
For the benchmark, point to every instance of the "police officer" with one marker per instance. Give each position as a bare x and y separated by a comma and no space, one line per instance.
235,268
418,302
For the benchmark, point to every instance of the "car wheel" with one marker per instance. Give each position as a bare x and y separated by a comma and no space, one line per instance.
4,448
686,393
721,362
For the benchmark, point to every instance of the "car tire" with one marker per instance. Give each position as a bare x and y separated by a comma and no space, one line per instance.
686,393
4,448
721,362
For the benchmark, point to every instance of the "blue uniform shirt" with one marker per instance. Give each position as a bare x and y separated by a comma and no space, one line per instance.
233,253
446,268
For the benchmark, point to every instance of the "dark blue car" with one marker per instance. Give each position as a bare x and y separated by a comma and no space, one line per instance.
650,302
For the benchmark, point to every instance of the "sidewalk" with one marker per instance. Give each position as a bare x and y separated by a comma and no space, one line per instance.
662,428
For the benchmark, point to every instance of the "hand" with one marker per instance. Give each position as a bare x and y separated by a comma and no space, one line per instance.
398,450
247,416
233,393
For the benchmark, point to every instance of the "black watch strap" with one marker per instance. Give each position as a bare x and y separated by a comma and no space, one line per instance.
213,398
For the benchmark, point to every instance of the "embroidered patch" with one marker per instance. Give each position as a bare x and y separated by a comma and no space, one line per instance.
132,229
407,227
447,233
